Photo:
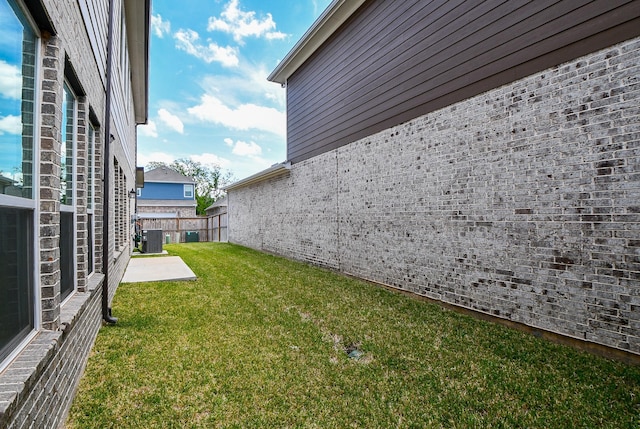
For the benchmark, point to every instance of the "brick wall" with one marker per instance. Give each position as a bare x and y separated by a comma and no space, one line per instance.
37,389
50,131
38,381
522,203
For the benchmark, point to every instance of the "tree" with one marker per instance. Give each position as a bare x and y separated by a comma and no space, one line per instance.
209,179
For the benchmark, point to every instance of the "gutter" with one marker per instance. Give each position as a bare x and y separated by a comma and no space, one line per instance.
273,171
106,179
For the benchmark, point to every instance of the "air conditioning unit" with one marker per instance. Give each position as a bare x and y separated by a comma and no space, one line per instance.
192,237
151,241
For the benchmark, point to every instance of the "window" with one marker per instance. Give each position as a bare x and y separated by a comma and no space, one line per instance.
17,58
17,112
120,207
91,142
67,188
188,191
16,274
68,146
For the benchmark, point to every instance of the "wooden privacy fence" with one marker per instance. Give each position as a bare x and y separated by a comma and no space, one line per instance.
182,230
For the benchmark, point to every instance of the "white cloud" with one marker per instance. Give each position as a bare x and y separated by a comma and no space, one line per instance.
243,117
189,41
144,159
275,35
171,120
10,81
148,130
250,149
228,142
11,125
207,159
211,160
244,167
250,83
160,27
243,24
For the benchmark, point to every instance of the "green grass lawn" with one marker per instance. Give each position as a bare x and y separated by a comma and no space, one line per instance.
260,341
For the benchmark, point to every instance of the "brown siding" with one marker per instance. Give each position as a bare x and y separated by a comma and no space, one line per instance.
394,61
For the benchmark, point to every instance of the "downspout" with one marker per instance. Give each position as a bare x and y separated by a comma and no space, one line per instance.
106,178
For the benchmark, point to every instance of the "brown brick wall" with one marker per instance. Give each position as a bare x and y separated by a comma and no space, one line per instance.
38,386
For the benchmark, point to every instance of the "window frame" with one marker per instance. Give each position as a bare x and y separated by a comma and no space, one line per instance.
71,208
67,88
31,203
91,192
188,191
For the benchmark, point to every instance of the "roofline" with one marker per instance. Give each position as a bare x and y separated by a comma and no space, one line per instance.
217,203
187,181
174,176
138,19
331,19
273,171
143,202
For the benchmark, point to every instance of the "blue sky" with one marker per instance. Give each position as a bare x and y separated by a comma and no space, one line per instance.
209,98
10,94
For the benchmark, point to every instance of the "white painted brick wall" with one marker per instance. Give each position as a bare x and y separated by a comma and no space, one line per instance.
522,202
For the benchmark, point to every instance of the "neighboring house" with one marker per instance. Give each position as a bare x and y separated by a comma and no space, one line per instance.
166,194
219,207
7,186
78,88
481,154
217,219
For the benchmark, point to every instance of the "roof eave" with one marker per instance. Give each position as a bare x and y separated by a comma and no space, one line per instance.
180,182
142,202
273,171
331,19
138,19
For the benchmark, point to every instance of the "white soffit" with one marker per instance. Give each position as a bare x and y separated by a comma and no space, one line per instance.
138,18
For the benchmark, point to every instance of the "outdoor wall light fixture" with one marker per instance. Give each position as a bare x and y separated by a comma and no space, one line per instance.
132,193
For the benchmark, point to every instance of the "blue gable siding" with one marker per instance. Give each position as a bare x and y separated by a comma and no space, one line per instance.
164,191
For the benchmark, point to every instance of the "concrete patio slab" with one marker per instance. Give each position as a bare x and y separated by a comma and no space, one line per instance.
157,269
